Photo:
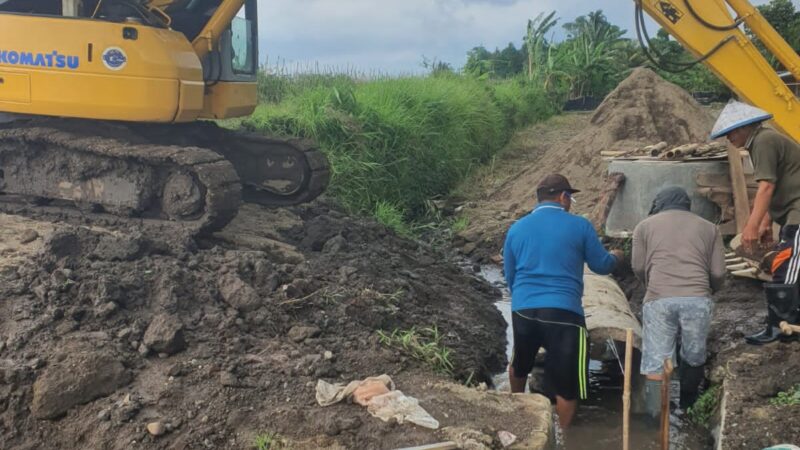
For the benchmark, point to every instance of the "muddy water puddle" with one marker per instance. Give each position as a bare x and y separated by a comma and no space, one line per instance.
598,424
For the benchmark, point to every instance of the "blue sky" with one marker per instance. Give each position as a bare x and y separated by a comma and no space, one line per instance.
393,35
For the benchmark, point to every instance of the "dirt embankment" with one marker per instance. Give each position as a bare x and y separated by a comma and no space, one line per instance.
644,109
105,331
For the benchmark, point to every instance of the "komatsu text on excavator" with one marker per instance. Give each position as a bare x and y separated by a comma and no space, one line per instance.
101,102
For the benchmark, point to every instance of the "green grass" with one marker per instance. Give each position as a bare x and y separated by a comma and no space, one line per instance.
704,408
269,441
459,224
392,217
424,345
395,144
790,397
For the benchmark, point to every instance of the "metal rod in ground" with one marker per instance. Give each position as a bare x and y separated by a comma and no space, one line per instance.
626,393
665,404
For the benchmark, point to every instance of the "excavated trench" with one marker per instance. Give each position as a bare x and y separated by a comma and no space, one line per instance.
598,424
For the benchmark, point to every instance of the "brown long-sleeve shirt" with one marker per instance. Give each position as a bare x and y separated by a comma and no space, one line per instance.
678,254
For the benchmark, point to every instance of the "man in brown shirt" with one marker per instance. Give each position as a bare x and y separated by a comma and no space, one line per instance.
680,258
776,159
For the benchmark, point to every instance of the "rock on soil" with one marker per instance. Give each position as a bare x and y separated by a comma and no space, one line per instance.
644,109
79,378
165,335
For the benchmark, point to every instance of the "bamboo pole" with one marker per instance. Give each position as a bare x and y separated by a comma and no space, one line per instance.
789,329
665,404
626,393
740,199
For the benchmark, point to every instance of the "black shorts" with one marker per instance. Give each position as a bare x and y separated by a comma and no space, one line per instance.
563,335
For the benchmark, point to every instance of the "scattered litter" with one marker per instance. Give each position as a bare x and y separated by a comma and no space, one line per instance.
398,406
329,394
378,394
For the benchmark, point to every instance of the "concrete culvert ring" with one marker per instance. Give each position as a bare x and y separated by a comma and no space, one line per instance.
182,196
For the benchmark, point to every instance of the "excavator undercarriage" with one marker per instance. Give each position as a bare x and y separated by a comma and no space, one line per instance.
187,176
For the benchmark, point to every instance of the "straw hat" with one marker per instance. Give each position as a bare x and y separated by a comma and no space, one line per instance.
736,115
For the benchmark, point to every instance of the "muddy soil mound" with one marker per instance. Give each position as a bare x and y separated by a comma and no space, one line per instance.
103,332
644,109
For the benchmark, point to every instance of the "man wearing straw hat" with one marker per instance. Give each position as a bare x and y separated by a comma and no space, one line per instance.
776,159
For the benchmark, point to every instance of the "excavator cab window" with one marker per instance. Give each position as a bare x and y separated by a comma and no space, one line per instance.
243,41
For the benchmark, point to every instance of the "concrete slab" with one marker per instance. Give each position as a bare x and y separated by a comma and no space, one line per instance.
644,179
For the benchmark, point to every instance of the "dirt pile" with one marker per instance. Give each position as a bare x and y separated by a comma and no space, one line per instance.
644,109
103,332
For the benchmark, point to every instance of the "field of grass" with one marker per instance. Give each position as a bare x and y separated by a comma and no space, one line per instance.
396,143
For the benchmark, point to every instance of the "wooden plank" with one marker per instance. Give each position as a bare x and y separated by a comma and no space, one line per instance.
626,392
599,214
740,198
665,404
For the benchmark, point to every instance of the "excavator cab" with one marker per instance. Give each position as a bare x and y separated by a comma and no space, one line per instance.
136,60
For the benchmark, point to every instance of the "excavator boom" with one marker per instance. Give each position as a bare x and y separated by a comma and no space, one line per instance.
708,29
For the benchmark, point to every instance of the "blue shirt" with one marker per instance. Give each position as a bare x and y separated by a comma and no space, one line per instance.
544,256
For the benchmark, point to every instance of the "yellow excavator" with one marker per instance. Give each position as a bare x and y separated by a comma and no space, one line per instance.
711,32
101,104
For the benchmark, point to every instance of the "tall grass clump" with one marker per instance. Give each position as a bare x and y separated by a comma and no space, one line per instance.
394,144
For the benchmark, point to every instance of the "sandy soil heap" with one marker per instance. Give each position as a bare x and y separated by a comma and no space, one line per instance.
644,109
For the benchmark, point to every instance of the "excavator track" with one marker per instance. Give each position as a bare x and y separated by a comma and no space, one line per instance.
273,171
96,172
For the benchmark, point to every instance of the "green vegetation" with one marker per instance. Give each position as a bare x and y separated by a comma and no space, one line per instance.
704,408
460,224
424,345
394,144
269,441
789,398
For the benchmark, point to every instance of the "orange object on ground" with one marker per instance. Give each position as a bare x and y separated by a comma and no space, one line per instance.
367,390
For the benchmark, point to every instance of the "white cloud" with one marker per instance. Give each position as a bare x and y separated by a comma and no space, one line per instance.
393,35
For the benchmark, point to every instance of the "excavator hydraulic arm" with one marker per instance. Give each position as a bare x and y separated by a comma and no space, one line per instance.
708,29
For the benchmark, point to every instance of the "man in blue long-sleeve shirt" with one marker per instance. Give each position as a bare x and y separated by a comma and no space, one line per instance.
544,257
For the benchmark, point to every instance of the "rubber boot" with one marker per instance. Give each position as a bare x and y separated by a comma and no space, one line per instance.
652,400
783,301
691,378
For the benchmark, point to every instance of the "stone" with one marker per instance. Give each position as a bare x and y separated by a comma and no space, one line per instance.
106,309
143,350
77,379
104,415
468,438
165,335
156,428
175,370
238,294
469,248
28,236
328,355
301,333
335,244
228,379
506,438
113,248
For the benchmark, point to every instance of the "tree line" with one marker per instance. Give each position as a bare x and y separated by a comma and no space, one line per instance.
594,56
